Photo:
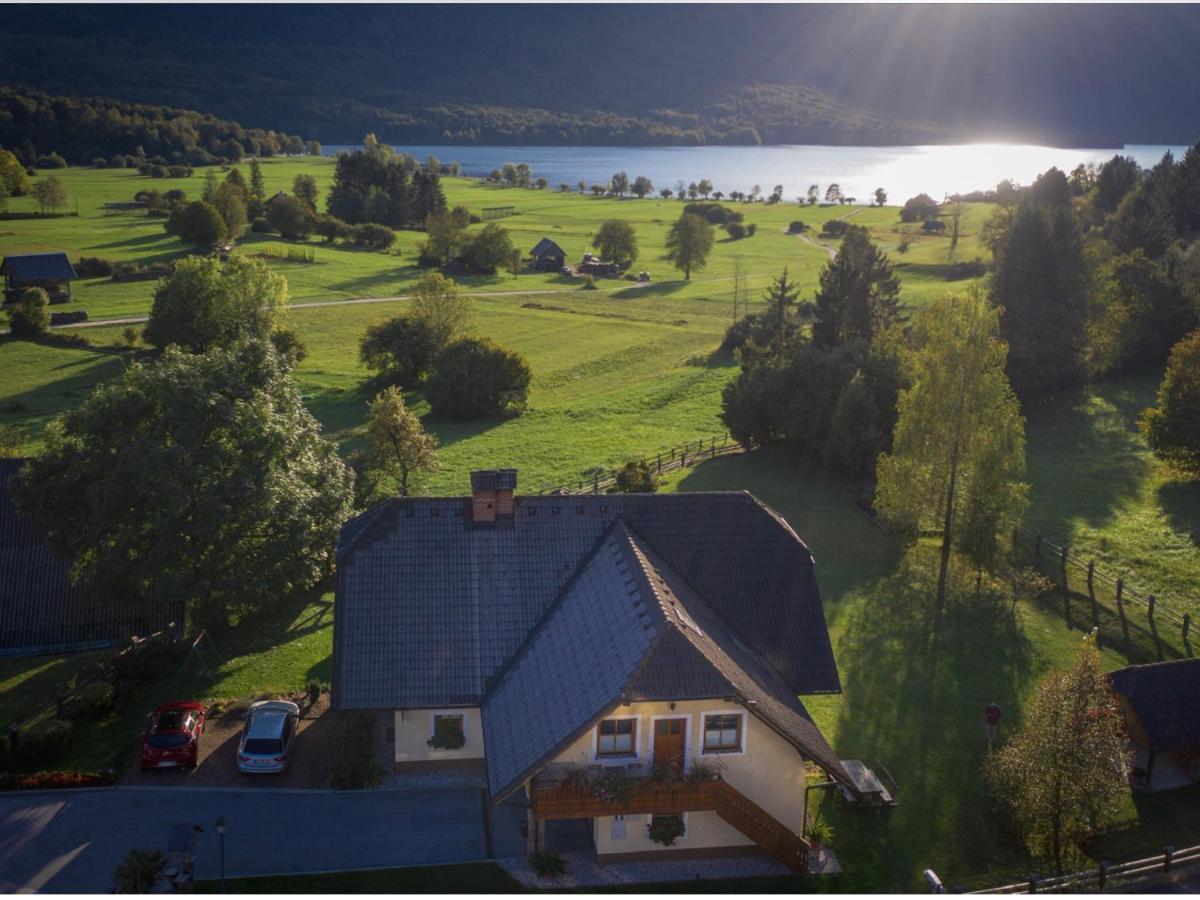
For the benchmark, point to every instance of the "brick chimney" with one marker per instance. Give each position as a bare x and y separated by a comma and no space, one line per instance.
492,494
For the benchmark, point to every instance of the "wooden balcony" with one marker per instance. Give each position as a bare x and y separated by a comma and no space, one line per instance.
554,799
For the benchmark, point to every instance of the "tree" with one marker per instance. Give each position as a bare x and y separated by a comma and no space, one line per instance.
880,196
919,209
399,445
959,430
198,223
1041,282
1051,188
704,188
814,191
689,242
443,307
14,180
780,297
859,294
291,217
619,184
616,242
210,186
635,477
490,249
235,180
304,187
138,872
258,189
29,317
665,193
1117,177
204,303
642,186
476,378
1172,427
1063,776
229,201
50,194
198,478
954,212
1137,313
582,185
400,350
833,193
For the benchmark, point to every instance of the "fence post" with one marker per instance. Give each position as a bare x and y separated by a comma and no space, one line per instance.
1187,624
714,446
1121,596
1103,873
1062,564
595,484
1033,880
1168,852
1092,591
1150,601
660,464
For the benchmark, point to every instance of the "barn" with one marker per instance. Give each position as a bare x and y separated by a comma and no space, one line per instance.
52,272
1161,705
547,256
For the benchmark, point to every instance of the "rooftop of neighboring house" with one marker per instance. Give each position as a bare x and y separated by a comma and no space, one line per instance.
1165,697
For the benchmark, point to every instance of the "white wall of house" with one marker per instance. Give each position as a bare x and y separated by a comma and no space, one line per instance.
766,768
414,728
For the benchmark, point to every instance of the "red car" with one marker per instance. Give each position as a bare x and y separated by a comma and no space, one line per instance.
173,736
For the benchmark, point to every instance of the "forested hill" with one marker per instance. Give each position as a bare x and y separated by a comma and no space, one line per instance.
635,74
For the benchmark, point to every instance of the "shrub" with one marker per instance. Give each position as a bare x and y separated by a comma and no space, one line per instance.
796,227
548,864
29,317
400,350
314,691
43,742
356,766
490,249
179,171
99,162
372,236
292,218
51,161
139,871
589,283
262,226
751,229
835,227
447,735
818,831
197,223
93,267
331,228
119,161
150,661
40,781
94,701
714,213
475,378
635,477
736,230
919,209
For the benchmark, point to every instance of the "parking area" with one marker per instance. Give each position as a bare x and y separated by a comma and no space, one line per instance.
318,739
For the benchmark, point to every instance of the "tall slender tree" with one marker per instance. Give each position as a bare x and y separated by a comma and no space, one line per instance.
958,451
400,446
689,242
859,295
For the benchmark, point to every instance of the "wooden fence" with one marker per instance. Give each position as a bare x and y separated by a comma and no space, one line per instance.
659,463
1073,573
1104,875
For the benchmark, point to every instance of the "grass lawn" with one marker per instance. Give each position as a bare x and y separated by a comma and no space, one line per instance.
570,219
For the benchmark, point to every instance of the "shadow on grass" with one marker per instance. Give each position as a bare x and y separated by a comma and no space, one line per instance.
917,685
1165,818
1181,502
654,289
1085,456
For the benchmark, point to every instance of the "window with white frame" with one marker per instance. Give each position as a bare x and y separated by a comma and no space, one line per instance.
723,733
616,737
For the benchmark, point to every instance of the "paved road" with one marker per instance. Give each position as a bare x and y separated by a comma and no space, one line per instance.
73,841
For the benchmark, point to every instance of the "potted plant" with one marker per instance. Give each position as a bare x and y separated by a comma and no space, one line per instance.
665,830
548,864
447,734
819,832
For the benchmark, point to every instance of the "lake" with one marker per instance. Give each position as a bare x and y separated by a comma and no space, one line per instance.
901,171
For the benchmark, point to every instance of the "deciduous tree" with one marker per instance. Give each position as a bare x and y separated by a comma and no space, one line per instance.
443,306
958,452
476,378
199,478
1063,775
304,187
50,194
689,242
1172,427
400,447
616,242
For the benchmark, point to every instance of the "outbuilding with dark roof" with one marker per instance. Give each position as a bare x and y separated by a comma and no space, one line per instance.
1161,704
52,272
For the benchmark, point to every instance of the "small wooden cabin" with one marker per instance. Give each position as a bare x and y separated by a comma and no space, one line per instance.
52,272
934,226
547,256
1161,705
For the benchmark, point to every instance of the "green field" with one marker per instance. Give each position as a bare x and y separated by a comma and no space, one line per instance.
570,219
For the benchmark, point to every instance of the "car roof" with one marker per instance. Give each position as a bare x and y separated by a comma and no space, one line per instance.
267,717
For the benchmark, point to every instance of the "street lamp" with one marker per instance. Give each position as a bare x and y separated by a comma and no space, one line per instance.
221,835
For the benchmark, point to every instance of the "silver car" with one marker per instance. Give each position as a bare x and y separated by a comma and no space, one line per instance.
268,737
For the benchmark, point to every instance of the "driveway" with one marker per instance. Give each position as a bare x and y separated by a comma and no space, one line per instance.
73,841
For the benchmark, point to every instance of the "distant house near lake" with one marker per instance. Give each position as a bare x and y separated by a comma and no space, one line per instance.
52,272
628,662
41,609
547,256
1161,705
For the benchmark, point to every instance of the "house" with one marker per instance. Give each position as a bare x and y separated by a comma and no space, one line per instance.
41,609
50,271
934,226
630,660
1161,705
548,256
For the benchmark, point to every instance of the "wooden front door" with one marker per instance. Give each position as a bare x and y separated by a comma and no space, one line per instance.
668,742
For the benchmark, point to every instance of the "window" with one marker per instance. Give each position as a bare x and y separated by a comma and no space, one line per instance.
723,733
617,737
449,733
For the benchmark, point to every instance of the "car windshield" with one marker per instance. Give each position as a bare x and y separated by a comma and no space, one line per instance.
263,745
171,719
166,741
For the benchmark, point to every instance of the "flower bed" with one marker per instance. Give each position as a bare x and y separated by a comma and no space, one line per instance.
41,781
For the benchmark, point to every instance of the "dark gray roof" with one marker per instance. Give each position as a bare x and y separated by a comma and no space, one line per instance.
1166,699
627,628
41,609
494,480
429,609
37,267
547,247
